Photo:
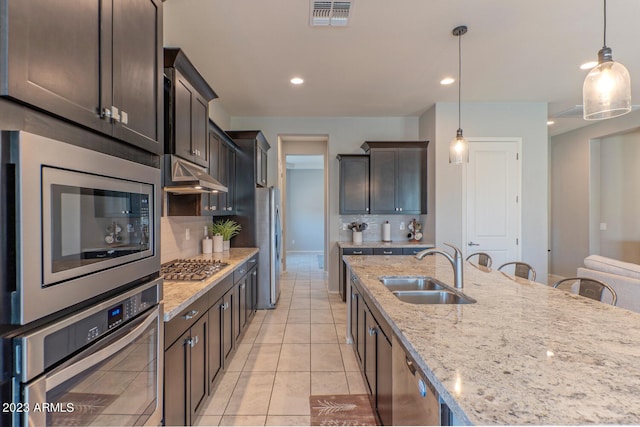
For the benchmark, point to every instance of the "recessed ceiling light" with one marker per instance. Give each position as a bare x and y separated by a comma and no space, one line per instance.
447,81
588,65
297,81
550,122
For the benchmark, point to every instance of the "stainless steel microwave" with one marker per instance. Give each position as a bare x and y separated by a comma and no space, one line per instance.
87,224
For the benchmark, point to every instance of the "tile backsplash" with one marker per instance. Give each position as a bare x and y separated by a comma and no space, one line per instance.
373,233
173,236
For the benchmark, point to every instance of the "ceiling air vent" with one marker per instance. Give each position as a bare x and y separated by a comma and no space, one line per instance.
330,13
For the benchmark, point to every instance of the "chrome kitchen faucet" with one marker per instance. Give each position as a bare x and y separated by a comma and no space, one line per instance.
455,260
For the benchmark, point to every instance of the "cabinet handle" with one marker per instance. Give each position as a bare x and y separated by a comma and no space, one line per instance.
241,271
106,113
253,261
367,209
410,365
243,286
357,253
115,113
373,330
354,296
224,306
400,209
190,315
387,252
125,117
193,341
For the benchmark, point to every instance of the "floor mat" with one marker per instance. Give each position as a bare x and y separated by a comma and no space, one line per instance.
341,410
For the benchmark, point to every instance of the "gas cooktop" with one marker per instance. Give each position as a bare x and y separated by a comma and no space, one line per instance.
190,269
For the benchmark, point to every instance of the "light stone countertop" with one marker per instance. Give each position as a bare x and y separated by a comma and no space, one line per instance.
525,353
179,295
381,244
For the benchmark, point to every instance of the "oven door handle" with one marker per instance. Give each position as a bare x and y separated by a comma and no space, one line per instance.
108,348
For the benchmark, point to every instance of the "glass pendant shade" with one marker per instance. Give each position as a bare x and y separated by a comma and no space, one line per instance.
606,92
459,149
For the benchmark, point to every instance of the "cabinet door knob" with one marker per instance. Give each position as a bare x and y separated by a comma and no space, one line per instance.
354,296
373,330
400,209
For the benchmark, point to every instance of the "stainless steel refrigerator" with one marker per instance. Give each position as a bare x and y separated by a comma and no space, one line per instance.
261,228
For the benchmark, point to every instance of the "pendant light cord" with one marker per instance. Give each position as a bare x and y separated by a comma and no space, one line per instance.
460,76
605,24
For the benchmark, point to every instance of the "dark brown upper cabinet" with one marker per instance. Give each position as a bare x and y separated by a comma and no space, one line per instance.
354,184
187,97
398,176
254,146
222,166
95,63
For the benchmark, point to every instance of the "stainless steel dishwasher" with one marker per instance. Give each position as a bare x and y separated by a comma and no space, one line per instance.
415,401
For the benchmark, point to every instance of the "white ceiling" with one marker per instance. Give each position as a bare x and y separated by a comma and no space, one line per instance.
390,59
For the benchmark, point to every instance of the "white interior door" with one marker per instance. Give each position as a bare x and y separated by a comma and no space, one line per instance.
493,199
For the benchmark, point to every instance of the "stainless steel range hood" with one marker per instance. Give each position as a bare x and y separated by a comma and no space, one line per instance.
183,177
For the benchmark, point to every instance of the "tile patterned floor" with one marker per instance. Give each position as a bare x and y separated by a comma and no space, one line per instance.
288,354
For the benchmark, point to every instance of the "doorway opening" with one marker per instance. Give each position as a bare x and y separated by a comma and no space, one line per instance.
302,176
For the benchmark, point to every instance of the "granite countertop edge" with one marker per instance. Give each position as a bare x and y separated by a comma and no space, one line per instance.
178,295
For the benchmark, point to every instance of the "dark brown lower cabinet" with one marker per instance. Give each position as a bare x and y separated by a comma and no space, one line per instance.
175,382
372,345
228,338
186,375
215,343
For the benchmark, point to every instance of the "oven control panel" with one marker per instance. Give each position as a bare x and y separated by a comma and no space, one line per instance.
93,323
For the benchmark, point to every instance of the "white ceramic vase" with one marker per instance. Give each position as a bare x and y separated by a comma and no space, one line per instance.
226,244
357,237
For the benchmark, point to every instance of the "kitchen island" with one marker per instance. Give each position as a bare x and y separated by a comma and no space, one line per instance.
524,353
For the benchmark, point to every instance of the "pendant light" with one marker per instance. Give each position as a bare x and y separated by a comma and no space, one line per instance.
459,146
606,92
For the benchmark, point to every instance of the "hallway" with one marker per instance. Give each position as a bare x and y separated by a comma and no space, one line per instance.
287,354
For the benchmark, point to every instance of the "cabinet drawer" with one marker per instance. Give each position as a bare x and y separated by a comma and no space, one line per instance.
357,251
183,321
387,251
240,271
413,251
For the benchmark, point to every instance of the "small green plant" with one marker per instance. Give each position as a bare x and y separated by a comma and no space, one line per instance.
226,228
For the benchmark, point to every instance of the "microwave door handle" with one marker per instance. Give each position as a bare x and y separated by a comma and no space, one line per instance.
91,358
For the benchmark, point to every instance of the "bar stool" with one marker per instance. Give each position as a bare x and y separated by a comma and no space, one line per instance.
484,259
586,287
521,269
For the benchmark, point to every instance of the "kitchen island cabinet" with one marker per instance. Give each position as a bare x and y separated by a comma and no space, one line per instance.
99,65
523,353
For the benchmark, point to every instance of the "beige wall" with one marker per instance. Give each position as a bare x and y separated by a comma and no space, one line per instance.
346,135
570,176
620,197
499,120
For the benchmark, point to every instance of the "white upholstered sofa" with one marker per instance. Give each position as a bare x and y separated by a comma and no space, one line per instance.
624,278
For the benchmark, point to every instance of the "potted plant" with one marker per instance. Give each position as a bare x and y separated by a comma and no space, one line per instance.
226,228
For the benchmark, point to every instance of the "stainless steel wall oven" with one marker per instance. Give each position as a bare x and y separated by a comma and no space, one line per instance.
100,366
86,225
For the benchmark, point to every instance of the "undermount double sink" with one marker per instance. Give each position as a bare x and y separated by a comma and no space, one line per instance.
423,290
